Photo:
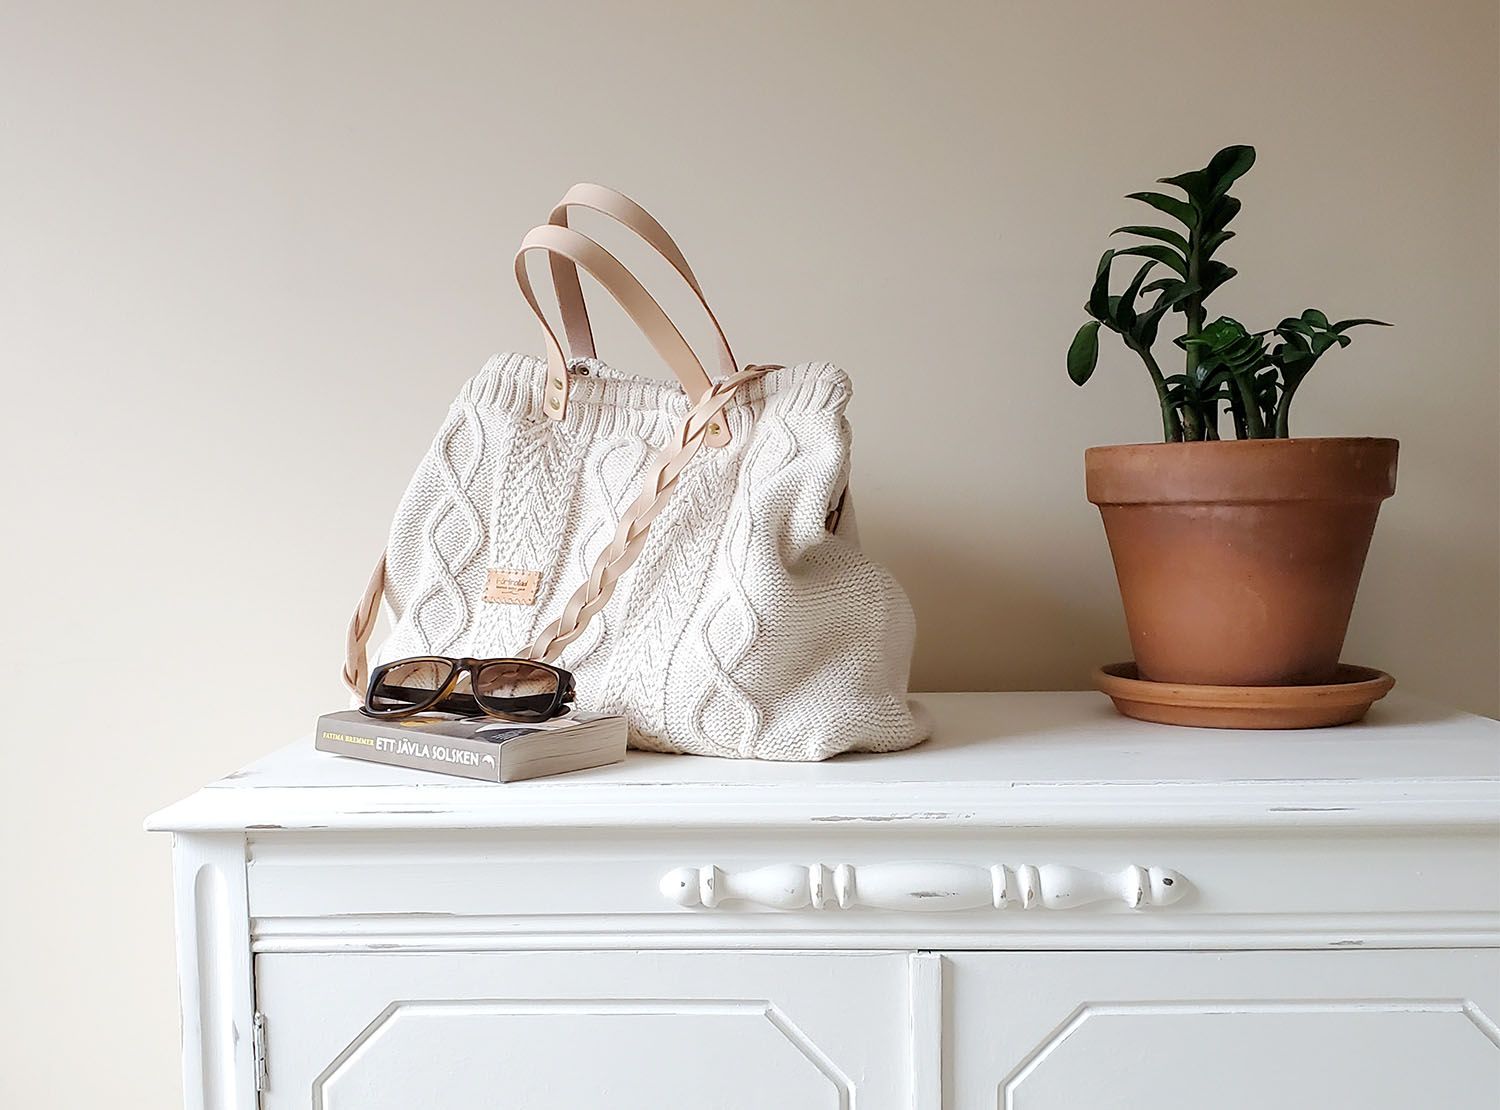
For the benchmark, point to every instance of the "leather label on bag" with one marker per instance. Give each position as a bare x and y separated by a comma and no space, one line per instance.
512,587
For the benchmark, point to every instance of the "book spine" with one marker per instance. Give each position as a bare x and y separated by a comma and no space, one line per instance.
379,743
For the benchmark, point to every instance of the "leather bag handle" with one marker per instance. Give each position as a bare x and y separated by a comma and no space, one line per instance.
701,425
574,310
579,250
626,212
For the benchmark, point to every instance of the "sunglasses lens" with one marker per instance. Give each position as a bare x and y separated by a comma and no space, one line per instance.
408,684
516,687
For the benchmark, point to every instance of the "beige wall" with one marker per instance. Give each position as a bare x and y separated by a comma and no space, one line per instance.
250,251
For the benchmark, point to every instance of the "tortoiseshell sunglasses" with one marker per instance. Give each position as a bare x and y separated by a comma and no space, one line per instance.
511,689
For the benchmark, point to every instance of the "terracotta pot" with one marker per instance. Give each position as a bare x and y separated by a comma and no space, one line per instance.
1238,560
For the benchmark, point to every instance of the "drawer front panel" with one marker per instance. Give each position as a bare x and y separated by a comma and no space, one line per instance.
880,887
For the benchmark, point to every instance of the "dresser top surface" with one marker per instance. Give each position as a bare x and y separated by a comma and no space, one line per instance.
995,758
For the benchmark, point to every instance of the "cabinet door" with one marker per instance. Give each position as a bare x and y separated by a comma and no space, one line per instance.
573,1030
1227,1031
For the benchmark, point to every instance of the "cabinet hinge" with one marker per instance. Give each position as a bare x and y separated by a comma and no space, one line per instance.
260,1051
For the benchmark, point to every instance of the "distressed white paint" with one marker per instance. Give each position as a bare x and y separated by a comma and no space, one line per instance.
213,972
1064,760
877,930
926,1030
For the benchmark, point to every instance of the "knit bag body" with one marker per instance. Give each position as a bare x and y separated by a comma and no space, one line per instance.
742,619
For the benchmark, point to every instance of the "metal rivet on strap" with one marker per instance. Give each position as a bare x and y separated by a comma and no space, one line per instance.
558,383
555,403
715,429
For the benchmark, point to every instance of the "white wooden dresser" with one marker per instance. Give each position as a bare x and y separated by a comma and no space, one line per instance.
1047,907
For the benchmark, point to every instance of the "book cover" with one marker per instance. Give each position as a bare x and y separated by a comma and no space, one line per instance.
481,748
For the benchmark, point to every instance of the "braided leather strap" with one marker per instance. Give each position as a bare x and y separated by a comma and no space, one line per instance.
356,666
630,535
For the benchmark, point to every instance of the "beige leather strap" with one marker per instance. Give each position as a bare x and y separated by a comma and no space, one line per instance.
356,665
621,284
574,310
626,212
630,535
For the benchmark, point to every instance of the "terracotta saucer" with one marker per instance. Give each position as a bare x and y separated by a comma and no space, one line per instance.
1346,699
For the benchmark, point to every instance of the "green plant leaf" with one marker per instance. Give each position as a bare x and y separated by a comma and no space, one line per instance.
1221,333
1125,310
1225,346
1228,166
1163,254
1344,325
1098,306
1172,293
1212,381
1161,233
1083,353
1179,210
1315,318
1214,242
1212,274
1220,212
1172,290
1195,183
1146,324
1294,364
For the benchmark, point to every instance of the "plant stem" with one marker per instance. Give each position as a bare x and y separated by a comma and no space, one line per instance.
1171,427
1193,309
1210,415
1192,425
1255,428
1284,411
1237,413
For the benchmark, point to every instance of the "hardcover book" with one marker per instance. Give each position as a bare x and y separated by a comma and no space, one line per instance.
477,747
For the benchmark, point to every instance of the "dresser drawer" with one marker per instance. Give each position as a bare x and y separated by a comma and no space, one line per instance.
912,886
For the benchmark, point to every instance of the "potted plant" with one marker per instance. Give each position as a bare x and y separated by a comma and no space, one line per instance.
1237,558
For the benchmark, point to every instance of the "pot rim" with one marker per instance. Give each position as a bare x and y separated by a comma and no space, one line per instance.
1243,471
1240,444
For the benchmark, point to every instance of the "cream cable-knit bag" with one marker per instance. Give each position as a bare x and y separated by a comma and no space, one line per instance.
751,625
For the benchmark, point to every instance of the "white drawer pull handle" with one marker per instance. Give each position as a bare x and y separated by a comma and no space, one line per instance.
922,886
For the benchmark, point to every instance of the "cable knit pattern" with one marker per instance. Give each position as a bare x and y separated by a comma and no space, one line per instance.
744,628
667,581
